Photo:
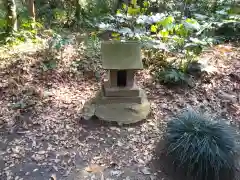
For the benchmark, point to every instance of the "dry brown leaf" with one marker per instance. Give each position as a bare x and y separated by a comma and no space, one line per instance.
94,168
53,177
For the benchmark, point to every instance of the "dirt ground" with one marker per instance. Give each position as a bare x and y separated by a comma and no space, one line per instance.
42,133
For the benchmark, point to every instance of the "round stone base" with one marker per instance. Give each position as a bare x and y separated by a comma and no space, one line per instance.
122,113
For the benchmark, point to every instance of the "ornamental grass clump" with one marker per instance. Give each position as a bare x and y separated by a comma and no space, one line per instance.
203,149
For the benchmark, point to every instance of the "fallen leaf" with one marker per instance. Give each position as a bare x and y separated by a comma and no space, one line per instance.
116,173
53,177
145,171
94,168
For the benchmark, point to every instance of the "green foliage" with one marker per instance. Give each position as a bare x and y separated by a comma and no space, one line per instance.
163,32
93,45
168,32
58,42
19,105
49,65
3,24
97,8
53,53
204,148
182,28
172,77
28,31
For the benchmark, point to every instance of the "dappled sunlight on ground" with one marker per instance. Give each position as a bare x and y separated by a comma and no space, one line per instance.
42,130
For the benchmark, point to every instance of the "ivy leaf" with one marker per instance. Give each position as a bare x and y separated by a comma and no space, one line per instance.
153,28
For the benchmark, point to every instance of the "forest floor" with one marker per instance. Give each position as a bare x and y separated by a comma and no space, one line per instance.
42,133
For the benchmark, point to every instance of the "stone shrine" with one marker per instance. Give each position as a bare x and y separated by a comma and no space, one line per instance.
121,60
120,99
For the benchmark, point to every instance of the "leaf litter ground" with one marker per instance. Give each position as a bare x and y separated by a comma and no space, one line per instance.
43,135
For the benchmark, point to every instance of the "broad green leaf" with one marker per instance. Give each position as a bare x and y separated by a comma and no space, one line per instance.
130,10
164,33
124,6
146,4
153,28
134,2
114,34
167,21
180,30
192,24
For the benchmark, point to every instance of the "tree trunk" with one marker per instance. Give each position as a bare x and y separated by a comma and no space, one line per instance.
78,10
11,16
31,10
214,6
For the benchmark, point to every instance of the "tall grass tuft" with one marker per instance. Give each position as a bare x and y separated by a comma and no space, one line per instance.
204,149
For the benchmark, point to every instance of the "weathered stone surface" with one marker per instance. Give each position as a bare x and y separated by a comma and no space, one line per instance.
88,110
121,55
116,100
121,91
123,113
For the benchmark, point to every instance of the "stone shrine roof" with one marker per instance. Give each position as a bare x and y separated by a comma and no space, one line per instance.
121,55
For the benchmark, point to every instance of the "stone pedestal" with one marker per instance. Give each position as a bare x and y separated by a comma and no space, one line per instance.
120,99
120,94
122,110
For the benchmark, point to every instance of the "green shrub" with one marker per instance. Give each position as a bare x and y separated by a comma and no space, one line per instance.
172,77
205,149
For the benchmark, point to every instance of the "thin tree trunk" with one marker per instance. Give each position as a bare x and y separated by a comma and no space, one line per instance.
214,6
31,10
11,16
78,10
